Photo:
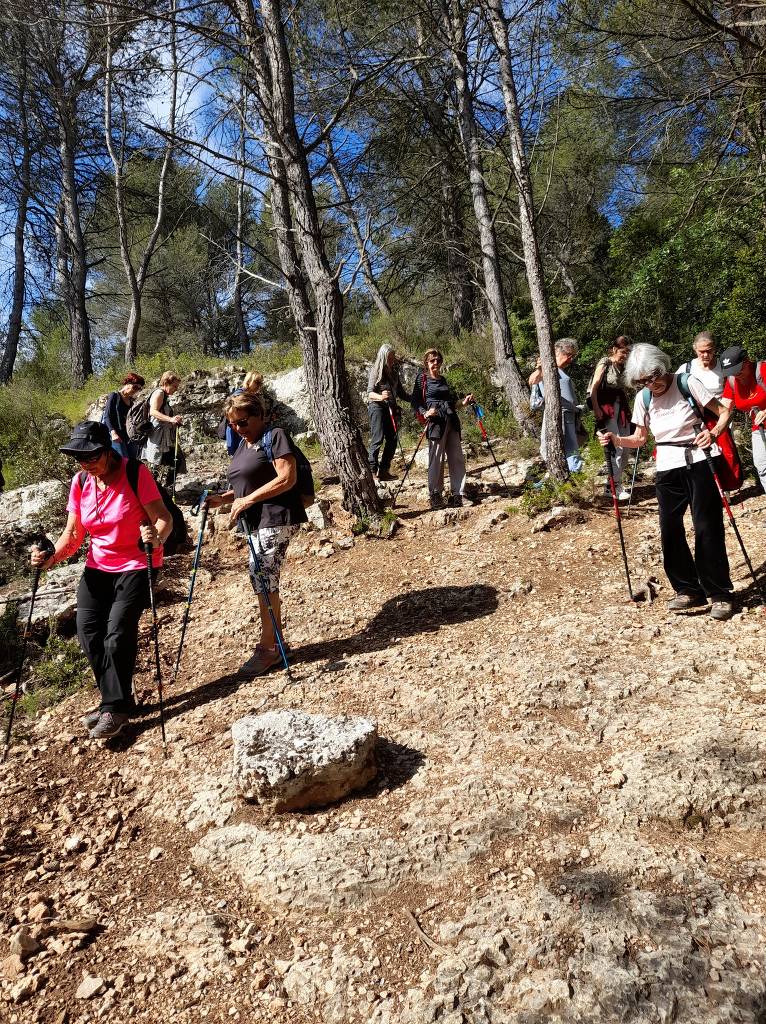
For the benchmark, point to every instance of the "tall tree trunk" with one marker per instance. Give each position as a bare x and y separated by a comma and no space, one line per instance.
359,240
15,317
554,441
77,257
515,389
136,277
459,280
242,336
339,435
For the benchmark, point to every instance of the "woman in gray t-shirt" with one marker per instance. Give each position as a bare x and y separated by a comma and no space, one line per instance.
264,497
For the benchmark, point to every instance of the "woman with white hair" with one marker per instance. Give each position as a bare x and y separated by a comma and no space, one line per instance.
384,386
566,352
683,480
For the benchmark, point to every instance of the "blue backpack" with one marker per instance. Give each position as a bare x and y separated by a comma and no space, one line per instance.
305,482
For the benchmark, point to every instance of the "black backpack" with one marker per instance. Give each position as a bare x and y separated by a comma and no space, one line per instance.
304,485
179,535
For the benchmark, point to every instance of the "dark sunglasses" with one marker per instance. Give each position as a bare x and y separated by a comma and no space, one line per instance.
241,423
86,458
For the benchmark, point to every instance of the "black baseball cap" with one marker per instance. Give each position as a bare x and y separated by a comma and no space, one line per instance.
732,360
88,438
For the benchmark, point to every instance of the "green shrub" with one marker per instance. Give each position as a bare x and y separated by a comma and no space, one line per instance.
60,670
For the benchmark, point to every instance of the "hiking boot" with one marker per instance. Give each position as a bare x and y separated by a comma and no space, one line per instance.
721,609
455,501
90,719
260,662
683,602
386,474
436,500
624,495
109,724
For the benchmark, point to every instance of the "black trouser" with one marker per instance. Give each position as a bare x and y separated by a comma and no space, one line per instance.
708,572
109,606
381,429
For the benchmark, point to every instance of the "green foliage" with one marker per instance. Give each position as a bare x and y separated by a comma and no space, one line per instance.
61,670
580,489
9,634
36,412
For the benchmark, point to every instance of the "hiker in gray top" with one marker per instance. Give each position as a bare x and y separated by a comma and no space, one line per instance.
566,353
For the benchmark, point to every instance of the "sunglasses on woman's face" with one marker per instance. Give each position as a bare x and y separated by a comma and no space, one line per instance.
88,458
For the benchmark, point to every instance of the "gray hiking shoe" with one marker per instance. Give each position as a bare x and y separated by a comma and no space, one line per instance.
108,725
436,500
683,602
455,501
721,610
90,719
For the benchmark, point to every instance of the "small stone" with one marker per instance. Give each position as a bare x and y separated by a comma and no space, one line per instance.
23,945
618,779
12,967
39,912
90,987
73,844
156,852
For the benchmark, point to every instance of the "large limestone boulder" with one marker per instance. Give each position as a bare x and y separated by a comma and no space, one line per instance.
288,760
56,599
28,511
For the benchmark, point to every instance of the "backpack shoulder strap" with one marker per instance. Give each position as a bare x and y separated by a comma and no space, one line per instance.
646,397
267,445
132,470
82,476
688,367
682,379
759,372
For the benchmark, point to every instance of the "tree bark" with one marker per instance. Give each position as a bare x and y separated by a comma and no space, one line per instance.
76,252
554,441
16,314
137,277
505,360
242,336
459,279
338,434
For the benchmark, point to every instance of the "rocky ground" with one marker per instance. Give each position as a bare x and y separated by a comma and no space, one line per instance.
567,824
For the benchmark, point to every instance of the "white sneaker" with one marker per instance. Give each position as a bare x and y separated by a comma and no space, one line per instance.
623,496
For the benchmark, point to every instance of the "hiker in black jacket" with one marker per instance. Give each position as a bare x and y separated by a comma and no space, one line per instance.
115,415
384,386
435,403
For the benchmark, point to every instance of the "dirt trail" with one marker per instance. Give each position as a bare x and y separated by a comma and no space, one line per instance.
567,824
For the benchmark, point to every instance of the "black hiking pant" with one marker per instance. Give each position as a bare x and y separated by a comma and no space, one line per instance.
381,433
109,606
707,573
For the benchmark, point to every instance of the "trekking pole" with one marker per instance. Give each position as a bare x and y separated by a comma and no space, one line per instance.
192,578
733,524
409,465
618,517
479,414
175,465
47,548
725,502
396,430
633,480
147,549
265,591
